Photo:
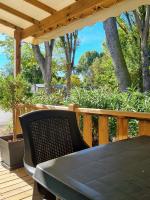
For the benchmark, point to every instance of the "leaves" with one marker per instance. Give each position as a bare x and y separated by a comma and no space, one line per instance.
13,92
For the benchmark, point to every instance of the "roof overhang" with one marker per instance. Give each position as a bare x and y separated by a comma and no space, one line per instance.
41,20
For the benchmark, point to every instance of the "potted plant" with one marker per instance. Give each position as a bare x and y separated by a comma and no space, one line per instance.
13,92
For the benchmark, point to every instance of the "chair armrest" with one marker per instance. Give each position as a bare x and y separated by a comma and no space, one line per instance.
30,170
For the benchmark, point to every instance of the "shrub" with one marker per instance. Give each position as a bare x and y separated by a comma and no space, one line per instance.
13,91
103,98
41,97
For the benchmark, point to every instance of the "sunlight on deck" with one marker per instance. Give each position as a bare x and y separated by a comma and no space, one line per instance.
15,185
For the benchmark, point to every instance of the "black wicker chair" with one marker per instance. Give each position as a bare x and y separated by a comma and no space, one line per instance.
49,134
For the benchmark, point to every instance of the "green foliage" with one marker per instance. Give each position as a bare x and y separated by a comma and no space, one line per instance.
102,98
75,81
105,98
30,68
130,43
103,72
41,97
86,61
13,92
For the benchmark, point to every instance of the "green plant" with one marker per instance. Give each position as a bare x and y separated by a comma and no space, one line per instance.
102,98
13,92
40,97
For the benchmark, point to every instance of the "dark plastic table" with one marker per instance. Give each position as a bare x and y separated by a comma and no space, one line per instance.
116,171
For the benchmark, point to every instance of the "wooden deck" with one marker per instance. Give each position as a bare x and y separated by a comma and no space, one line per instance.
15,185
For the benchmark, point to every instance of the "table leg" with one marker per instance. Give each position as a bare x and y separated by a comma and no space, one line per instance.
36,195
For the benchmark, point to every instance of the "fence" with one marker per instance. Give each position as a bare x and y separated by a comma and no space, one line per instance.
86,114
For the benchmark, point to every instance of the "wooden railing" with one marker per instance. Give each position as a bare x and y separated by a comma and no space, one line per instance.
85,115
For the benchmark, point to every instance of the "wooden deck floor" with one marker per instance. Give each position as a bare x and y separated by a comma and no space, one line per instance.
15,185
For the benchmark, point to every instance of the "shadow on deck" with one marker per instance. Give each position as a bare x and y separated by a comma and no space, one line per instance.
15,185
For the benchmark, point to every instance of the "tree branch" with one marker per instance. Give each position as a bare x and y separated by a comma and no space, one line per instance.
129,21
39,56
146,27
122,27
138,21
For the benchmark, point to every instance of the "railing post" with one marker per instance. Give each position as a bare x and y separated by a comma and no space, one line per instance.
87,129
144,127
122,128
103,130
72,107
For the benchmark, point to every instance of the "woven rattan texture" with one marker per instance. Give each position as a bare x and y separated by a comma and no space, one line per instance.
51,138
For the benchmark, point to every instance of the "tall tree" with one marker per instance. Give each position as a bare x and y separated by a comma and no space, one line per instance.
45,62
86,61
115,50
142,18
69,45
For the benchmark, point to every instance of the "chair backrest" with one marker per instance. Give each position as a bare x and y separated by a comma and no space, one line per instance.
49,134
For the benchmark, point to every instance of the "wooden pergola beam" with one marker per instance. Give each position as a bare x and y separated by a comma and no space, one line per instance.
66,16
41,5
10,25
18,13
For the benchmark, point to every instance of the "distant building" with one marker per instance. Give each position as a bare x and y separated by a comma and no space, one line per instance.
37,87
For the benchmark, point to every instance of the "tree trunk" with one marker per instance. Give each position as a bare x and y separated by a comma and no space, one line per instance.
45,63
69,45
142,21
145,67
68,77
115,50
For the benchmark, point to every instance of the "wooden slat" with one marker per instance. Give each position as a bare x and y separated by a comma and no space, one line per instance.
42,6
4,180
114,113
144,127
10,25
87,129
77,10
15,185
28,198
122,128
103,130
18,13
20,196
17,191
16,181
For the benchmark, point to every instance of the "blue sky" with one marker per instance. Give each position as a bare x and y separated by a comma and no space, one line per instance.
91,38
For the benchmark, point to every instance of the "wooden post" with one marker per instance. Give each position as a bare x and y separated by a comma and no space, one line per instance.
17,68
72,107
103,130
122,128
17,52
144,127
87,129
